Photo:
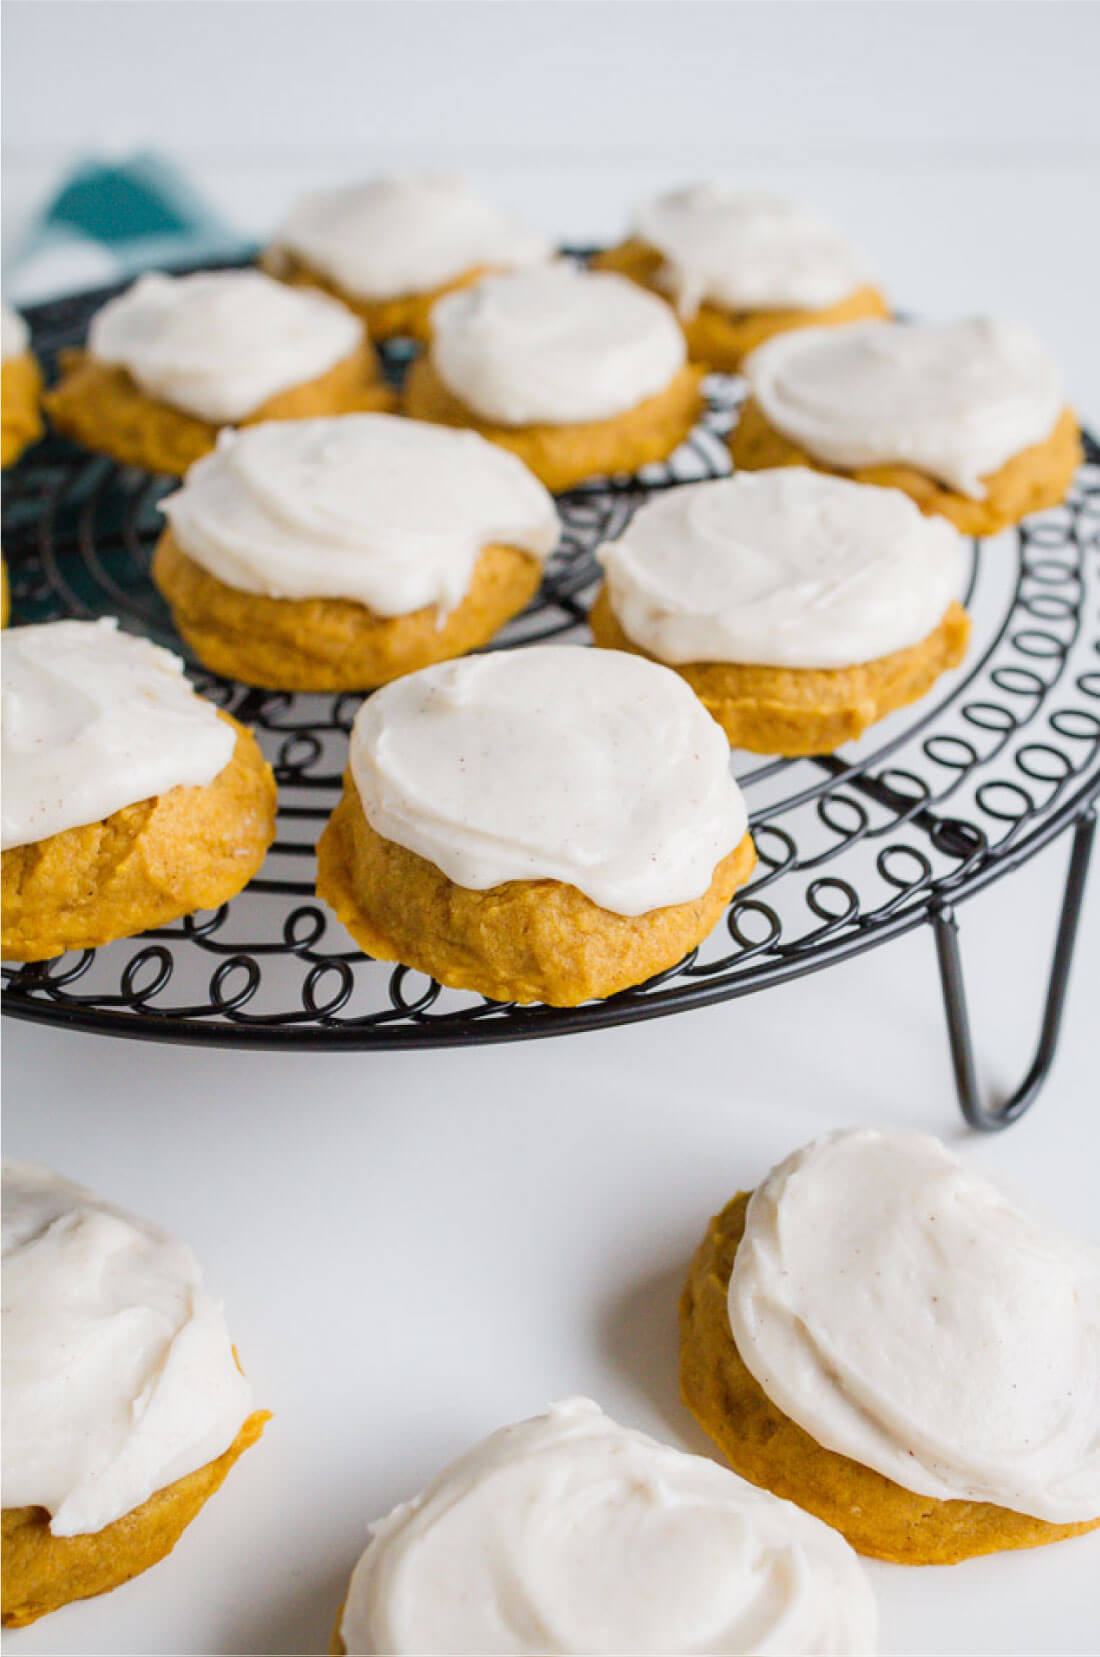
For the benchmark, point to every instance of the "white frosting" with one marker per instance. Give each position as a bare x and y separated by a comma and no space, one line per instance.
94,720
219,344
905,1313
789,568
407,234
569,1533
955,400
118,1370
746,252
554,345
15,336
592,767
391,512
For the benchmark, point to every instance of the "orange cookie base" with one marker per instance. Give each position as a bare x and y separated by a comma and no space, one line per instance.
528,940
877,1516
20,406
722,338
1030,482
42,1572
102,407
150,863
793,711
562,456
333,643
405,314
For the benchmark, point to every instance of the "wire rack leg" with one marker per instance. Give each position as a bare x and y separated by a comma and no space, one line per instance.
991,1119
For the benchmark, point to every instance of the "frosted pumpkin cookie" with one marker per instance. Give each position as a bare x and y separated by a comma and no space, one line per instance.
881,1335
741,267
390,247
339,554
549,824
20,388
128,800
578,373
570,1534
968,418
175,358
124,1404
800,608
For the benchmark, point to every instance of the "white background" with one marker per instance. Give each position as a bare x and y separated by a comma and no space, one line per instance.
416,1248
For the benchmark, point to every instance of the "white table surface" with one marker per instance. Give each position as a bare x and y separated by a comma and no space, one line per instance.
416,1248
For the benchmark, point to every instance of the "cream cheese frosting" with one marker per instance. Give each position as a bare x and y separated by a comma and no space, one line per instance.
554,345
746,251
118,1370
387,237
569,1533
94,720
907,1314
15,336
220,343
955,400
592,767
787,568
393,513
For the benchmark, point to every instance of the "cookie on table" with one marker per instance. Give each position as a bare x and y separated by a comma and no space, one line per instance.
175,358
20,388
552,824
969,418
128,802
390,247
124,1404
338,554
881,1335
740,267
579,373
568,1533
799,607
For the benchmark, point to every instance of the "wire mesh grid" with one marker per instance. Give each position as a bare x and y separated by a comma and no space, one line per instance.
854,848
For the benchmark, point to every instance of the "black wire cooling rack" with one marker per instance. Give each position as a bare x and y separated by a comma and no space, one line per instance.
888,834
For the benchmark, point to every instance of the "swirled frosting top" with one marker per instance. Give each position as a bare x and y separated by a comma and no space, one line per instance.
569,1533
15,336
554,345
218,344
906,1313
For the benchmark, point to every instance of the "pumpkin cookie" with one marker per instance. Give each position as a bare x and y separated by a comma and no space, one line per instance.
339,554
174,359
579,374
553,824
967,418
907,1358
103,1474
20,388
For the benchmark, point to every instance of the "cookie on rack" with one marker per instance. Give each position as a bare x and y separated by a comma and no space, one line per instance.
338,554
579,373
175,358
129,801
124,1404
551,824
799,607
20,388
389,247
740,267
540,1539
881,1335
969,418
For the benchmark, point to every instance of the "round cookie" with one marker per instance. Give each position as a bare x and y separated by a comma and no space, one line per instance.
388,248
151,805
103,1475
20,388
175,359
579,374
583,833
800,609
968,419
878,1515
340,554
